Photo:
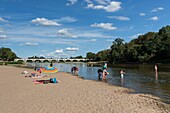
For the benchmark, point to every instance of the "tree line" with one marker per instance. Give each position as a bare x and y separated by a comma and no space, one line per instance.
147,48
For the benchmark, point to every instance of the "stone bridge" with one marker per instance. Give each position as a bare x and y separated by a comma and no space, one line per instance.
50,60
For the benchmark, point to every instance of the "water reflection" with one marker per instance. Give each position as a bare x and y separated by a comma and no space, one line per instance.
122,82
156,77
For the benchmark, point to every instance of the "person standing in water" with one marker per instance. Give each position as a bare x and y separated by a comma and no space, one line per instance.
156,73
51,64
105,66
156,68
122,76
105,73
122,73
100,73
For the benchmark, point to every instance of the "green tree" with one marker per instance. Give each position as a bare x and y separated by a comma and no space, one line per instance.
90,55
103,55
117,51
7,55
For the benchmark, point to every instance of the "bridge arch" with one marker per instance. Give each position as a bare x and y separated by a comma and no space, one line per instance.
37,61
68,60
20,60
53,60
81,60
75,60
61,60
29,60
45,60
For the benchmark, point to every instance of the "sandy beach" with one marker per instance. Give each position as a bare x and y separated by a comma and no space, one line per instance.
18,94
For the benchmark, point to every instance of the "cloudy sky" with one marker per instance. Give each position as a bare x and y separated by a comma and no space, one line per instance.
64,28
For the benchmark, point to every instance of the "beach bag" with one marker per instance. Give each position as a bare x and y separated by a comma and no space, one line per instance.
53,80
33,74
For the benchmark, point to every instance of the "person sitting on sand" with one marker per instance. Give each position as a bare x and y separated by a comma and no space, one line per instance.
36,74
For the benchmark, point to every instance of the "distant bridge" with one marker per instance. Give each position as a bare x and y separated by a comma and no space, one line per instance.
50,60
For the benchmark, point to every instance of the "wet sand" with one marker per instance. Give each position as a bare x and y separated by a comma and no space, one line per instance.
18,94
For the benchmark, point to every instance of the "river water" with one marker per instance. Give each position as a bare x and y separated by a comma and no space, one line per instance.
140,78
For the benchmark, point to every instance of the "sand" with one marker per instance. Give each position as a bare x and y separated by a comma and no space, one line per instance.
18,94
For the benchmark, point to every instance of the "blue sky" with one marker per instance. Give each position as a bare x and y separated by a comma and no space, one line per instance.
65,28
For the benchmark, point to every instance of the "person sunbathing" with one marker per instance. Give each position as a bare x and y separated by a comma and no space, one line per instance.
51,80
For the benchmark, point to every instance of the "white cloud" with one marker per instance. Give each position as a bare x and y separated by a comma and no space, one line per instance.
93,40
67,19
3,36
56,54
59,51
111,7
51,54
121,18
157,9
155,18
93,35
107,26
114,6
45,22
135,36
3,20
65,33
72,49
142,14
104,2
71,2
31,44
43,50
110,40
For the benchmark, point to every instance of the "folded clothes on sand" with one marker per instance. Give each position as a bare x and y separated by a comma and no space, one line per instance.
25,72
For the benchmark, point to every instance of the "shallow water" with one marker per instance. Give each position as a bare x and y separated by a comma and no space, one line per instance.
140,78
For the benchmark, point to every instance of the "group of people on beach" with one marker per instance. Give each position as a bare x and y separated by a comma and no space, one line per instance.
39,74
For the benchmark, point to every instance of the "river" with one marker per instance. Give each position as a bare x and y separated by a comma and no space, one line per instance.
140,78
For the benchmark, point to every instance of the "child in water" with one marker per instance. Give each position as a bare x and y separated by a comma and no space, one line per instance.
122,73
105,73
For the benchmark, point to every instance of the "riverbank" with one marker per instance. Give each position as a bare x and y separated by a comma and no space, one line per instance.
20,95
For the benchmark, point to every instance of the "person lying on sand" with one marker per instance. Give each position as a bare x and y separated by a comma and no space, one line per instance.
36,75
51,80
